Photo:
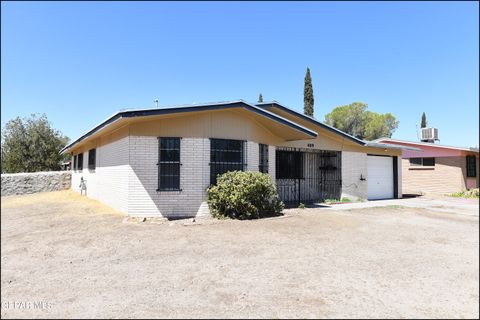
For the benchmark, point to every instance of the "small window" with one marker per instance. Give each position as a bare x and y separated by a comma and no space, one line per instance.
169,164
91,158
428,162
471,167
75,161
263,158
80,162
226,155
415,161
289,164
425,162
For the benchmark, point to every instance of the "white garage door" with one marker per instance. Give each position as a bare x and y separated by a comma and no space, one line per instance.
380,177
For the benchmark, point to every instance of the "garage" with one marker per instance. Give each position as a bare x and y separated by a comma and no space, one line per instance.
380,177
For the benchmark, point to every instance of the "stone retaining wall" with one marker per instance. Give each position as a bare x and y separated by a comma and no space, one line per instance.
23,183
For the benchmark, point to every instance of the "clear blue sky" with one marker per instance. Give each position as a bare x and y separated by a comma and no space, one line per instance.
80,62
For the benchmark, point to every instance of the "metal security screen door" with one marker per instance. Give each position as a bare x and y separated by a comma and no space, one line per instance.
308,176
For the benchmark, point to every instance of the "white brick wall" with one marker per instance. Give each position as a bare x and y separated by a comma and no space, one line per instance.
126,176
400,190
271,162
144,200
194,179
354,164
252,156
108,183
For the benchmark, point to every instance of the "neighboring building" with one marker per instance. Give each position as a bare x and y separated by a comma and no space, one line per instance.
437,168
161,161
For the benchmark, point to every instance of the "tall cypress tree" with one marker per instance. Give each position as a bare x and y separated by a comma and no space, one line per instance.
308,95
260,98
424,121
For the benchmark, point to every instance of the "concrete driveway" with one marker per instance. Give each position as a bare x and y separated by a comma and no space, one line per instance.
441,204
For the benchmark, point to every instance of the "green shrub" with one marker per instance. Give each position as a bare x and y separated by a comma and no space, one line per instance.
244,195
471,193
328,201
301,205
345,199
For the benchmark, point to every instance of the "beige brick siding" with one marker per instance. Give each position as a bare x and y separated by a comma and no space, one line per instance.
448,176
354,164
109,181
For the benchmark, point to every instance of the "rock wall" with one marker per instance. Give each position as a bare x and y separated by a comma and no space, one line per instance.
23,183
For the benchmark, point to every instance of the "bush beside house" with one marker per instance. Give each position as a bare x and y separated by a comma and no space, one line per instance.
244,195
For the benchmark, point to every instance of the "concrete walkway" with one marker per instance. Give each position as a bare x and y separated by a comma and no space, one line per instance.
452,205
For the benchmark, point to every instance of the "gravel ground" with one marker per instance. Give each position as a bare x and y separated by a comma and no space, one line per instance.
84,260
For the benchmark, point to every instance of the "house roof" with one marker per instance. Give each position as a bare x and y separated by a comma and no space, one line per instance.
427,144
275,104
130,113
389,145
373,144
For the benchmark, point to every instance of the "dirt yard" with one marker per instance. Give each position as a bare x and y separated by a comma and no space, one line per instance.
67,256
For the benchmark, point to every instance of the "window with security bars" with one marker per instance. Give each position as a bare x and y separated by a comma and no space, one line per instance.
471,167
226,155
289,164
75,161
91,158
263,158
80,162
169,164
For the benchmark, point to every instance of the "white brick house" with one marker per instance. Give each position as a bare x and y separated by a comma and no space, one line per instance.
160,162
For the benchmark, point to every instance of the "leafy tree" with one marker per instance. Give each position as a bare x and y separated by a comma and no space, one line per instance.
379,125
260,98
357,121
424,121
31,144
308,100
349,118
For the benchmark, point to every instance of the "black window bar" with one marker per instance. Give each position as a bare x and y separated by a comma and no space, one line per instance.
75,161
471,166
92,154
80,162
169,164
263,158
226,155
